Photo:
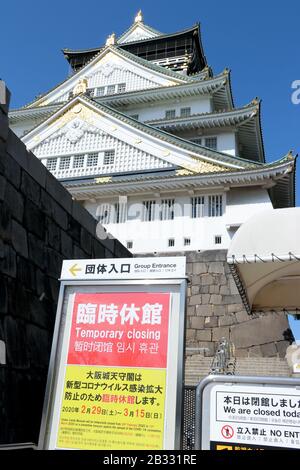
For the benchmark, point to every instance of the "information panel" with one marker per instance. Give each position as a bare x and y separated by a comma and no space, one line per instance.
116,381
249,414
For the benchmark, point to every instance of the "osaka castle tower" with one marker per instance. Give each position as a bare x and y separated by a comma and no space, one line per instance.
146,136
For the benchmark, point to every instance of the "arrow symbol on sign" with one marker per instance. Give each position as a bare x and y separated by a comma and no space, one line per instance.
74,269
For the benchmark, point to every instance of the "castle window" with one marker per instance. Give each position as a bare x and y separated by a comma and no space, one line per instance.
109,157
185,112
187,242
211,143
167,209
197,141
103,213
99,91
120,213
148,211
64,163
129,245
51,164
170,114
197,206
171,242
215,206
218,240
92,159
78,161
121,87
111,89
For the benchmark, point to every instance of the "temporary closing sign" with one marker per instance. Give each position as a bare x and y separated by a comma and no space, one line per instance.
255,416
118,359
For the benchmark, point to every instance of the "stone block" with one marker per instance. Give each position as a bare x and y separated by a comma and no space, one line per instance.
241,316
83,217
214,289
281,347
216,268
58,192
3,295
5,222
205,299
231,299
216,299
197,323
195,290
204,335
236,308
38,346
66,245
16,342
2,186
37,252
191,310
25,273
224,290
189,268
207,280
200,268
213,255
19,239
204,310
208,348
17,150
59,215
220,310
254,351
30,188
34,219
227,320
12,170
211,322
53,234
37,170
86,241
78,253
14,201
265,329
54,263
190,334
195,300
98,249
268,350
8,264
219,333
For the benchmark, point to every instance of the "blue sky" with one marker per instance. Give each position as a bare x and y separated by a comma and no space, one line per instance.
257,40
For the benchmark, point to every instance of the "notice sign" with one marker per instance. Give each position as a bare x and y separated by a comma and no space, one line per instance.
115,376
254,417
116,368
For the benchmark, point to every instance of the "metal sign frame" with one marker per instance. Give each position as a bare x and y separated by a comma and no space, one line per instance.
177,286
203,414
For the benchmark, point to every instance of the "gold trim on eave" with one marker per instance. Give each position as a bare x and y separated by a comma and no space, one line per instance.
103,180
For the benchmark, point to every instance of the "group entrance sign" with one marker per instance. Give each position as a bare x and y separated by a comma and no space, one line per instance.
115,377
248,413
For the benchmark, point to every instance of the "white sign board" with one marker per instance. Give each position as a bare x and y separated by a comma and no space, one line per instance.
117,357
124,268
251,416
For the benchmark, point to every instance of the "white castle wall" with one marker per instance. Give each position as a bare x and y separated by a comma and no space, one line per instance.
239,205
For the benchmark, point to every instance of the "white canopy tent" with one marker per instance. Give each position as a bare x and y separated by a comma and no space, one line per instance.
265,260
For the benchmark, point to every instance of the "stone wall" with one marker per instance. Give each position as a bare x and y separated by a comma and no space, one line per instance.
40,225
215,310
